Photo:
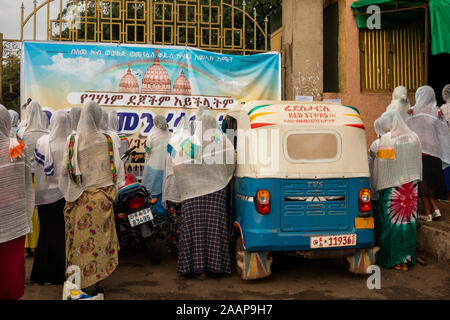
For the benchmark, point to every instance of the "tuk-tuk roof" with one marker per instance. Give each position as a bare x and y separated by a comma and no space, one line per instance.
298,113
298,117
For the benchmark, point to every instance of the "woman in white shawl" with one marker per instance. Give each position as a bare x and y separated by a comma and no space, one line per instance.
14,121
36,127
397,171
400,101
171,199
372,154
92,172
203,167
425,122
445,108
49,261
74,116
113,127
155,160
16,210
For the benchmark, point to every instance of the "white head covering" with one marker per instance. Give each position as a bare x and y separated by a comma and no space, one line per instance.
446,106
14,121
400,101
16,188
170,189
90,157
446,93
74,116
5,122
398,157
49,158
202,166
113,128
113,121
155,158
36,118
35,128
104,124
426,124
399,92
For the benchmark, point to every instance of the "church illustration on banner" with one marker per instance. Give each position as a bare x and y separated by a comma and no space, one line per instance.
156,80
156,90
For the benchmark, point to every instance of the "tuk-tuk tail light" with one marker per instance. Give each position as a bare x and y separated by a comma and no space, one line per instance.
262,201
365,200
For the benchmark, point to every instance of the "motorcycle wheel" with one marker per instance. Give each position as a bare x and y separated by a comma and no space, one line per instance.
154,248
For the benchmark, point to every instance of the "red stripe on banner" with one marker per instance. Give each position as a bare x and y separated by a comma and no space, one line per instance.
361,126
257,125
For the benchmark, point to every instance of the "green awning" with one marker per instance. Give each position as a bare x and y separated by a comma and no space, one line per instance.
390,19
440,26
439,18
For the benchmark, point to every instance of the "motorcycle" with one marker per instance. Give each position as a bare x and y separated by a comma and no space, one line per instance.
133,208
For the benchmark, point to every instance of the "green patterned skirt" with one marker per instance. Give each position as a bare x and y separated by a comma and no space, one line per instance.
396,217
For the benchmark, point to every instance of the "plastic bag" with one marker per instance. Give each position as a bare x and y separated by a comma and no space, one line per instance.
72,292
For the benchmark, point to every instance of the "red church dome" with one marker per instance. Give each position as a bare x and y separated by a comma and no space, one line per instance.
182,84
156,79
129,83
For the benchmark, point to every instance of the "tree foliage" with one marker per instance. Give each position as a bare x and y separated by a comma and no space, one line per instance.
263,9
11,85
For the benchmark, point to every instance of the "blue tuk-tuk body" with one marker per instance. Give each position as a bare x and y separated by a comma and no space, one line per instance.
301,182
301,211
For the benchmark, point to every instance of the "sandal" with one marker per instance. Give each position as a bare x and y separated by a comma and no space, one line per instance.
397,267
404,267
421,261
201,276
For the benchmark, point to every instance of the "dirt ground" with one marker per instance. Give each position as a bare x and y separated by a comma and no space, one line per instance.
136,278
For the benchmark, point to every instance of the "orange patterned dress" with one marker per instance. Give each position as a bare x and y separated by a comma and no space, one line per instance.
91,238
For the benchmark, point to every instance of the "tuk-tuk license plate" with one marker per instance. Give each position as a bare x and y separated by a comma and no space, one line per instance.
343,240
140,217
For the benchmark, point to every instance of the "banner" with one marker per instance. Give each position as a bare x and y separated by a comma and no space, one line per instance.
141,81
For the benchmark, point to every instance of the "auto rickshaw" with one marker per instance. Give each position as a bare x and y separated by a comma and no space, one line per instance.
301,184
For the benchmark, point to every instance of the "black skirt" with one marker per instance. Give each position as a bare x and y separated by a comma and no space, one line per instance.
432,185
50,257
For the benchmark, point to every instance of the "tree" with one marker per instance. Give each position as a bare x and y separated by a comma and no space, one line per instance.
11,84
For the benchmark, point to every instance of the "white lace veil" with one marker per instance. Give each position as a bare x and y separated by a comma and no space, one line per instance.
90,160
398,158
14,121
113,121
74,115
16,187
400,101
204,162
426,124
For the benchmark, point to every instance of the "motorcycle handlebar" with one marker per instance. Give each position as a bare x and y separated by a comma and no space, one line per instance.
127,153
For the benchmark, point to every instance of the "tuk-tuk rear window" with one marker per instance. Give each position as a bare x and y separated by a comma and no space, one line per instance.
321,146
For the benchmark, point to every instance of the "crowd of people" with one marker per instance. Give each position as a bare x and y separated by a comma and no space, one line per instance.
409,160
59,178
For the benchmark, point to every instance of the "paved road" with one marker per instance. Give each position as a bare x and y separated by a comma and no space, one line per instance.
137,278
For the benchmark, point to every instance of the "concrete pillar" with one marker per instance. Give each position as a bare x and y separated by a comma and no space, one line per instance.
302,45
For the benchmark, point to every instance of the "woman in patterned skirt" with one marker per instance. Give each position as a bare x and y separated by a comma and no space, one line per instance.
93,170
202,173
397,170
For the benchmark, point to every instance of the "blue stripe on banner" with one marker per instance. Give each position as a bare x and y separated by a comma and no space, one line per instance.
37,154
